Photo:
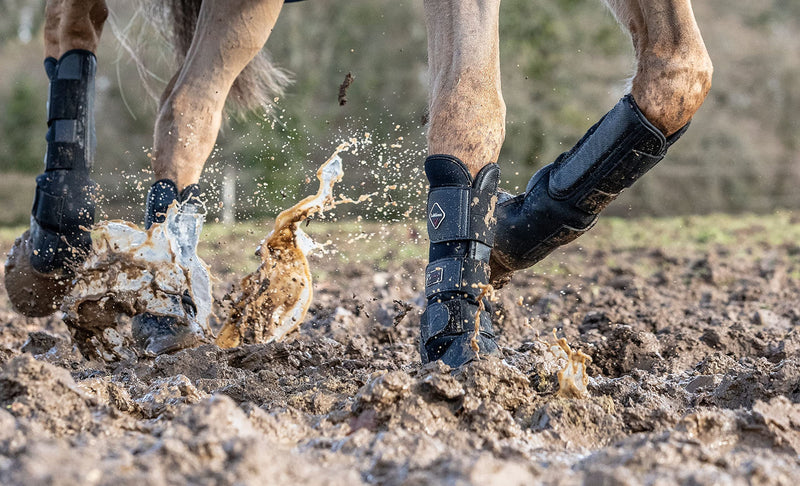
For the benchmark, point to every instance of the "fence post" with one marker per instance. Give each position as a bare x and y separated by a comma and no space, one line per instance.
229,195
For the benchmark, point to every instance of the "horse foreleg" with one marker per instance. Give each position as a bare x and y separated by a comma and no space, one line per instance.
467,127
564,199
673,74
467,112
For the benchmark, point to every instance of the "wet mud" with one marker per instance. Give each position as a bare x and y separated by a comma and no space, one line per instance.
694,378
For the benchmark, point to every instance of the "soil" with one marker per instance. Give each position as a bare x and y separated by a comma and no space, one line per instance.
694,379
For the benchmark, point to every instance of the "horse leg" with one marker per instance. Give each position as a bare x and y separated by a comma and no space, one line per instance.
38,266
228,35
467,127
673,74
73,24
564,199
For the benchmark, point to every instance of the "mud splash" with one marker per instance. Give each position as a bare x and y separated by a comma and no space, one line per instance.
487,291
275,298
572,378
131,270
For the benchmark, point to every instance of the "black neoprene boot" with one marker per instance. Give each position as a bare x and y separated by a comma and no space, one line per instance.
461,228
159,334
39,266
64,205
563,200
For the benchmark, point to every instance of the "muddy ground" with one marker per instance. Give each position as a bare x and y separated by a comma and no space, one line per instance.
695,376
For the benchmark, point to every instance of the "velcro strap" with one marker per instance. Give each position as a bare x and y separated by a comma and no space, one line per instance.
52,250
65,99
63,155
614,141
47,209
455,274
65,131
450,317
457,213
64,202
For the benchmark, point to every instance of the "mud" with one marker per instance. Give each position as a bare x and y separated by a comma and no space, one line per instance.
275,298
131,270
694,379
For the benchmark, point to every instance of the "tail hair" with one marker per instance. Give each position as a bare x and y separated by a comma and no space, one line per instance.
258,83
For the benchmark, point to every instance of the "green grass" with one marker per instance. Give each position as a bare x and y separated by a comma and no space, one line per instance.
230,248
16,198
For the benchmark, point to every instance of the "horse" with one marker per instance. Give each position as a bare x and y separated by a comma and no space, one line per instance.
478,233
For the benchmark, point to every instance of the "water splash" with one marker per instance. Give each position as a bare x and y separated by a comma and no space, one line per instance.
487,291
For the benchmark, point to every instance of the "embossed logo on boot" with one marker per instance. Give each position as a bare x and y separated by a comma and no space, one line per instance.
436,215
434,276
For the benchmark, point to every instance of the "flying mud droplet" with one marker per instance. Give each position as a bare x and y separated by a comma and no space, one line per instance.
276,297
131,270
487,291
572,379
348,80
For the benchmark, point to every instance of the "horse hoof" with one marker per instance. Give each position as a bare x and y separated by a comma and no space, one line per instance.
499,274
157,335
448,333
32,293
460,351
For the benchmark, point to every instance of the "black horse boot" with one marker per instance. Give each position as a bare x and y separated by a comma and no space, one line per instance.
461,226
563,200
38,270
159,334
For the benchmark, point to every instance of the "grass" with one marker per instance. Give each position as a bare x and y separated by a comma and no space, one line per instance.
16,198
230,248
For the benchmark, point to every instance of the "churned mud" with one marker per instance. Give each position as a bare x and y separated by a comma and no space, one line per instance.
694,378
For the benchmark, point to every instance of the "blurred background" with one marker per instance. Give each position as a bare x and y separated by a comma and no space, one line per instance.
564,64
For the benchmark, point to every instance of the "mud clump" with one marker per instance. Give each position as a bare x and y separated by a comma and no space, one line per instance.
45,395
130,271
32,294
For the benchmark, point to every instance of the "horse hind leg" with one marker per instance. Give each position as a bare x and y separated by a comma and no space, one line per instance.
73,24
227,36
563,200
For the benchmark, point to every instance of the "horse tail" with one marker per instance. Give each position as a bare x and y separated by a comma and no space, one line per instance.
258,83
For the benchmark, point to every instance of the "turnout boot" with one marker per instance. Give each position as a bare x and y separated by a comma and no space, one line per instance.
563,200
461,227
39,266
159,334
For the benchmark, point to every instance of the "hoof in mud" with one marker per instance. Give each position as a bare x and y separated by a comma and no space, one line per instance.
32,293
499,274
457,332
157,335
461,350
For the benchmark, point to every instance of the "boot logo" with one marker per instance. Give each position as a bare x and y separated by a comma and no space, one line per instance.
436,215
434,277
